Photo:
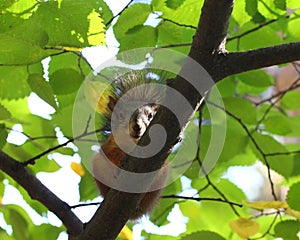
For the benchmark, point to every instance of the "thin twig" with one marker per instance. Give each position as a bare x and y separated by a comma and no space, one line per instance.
118,14
203,199
253,141
261,25
85,204
84,134
178,24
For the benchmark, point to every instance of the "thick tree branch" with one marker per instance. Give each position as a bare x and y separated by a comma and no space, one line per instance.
41,193
212,29
117,207
238,62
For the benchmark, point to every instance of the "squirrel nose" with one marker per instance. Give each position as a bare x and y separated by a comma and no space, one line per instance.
136,128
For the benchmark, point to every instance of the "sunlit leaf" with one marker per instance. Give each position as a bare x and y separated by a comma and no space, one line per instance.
77,168
291,100
244,227
10,77
126,233
203,235
42,88
262,205
277,124
45,231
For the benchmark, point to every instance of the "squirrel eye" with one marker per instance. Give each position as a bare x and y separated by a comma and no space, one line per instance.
150,116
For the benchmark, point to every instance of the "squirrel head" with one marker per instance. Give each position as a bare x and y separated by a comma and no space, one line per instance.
130,103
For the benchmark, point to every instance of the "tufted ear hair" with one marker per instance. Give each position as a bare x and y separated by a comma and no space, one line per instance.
111,103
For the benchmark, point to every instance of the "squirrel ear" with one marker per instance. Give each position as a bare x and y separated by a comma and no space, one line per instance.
111,103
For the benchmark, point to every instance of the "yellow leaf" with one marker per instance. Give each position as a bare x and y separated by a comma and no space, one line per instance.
77,167
293,213
261,205
126,233
244,227
96,33
1,201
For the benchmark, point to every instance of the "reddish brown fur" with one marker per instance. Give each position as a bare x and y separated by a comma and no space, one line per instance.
116,155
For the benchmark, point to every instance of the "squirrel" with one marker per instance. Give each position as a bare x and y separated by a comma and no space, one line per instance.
124,91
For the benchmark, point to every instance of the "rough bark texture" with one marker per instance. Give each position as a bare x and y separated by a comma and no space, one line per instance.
41,193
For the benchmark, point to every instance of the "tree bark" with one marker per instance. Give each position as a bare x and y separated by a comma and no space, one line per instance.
41,193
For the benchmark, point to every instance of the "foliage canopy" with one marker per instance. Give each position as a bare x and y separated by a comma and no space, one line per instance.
41,45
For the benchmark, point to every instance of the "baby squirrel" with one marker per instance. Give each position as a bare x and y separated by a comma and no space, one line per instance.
126,87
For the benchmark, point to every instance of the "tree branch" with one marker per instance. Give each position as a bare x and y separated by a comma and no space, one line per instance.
41,193
118,206
233,63
212,29
198,199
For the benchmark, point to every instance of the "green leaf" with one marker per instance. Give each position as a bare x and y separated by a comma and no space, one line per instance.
6,3
287,230
146,235
256,78
87,187
258,18
277,124
4,113
293,27
267,145
63,119
20,46
294,125
143,9
65,81
68,23
239,14
19,220
45,231
296,170
293,4
245,89
66,151
251,7
293,197
174,4
4,235
36,205
169,33
186,14
264,37
192,210
281,4
3,135
13,82
165,205
203,235
132,38
291,100
44,165
241,108
105,12
42,88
